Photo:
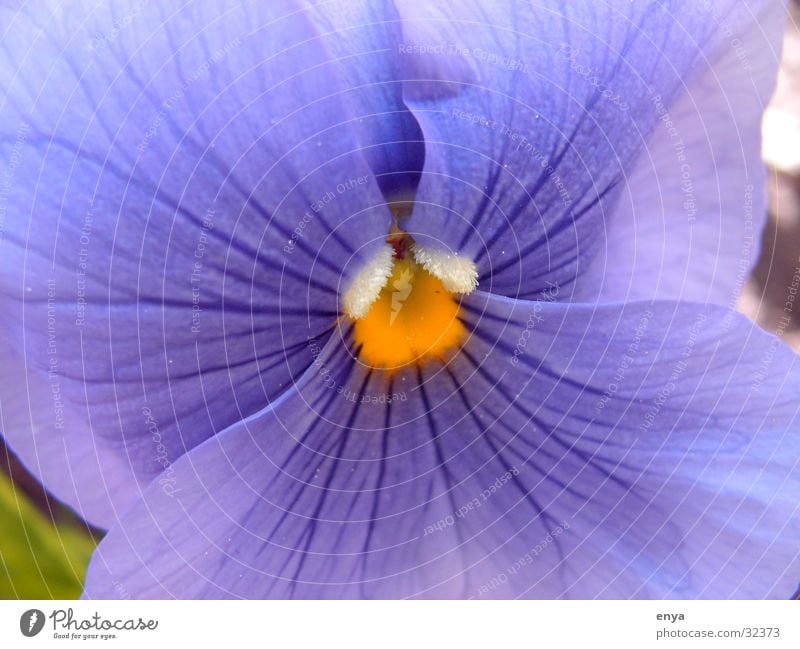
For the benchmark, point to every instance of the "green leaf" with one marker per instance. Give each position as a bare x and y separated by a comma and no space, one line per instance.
38,560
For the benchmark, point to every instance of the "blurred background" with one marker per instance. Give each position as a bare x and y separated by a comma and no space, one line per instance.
45,548
766,292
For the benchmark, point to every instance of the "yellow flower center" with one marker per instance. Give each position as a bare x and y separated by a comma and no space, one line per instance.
413,319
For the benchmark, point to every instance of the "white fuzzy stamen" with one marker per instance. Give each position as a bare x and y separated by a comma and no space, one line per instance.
368,283
457,274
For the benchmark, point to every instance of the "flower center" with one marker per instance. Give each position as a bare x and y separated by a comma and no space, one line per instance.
415,314
414,318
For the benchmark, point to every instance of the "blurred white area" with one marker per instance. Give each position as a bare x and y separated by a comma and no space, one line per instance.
771,297
781,127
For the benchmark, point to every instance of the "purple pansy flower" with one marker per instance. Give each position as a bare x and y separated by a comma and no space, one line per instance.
398,299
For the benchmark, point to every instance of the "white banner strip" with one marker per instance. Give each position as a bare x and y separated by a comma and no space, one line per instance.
400,624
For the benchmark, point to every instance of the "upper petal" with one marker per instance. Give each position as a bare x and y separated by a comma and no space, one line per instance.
689,220
362,35
186,198
534,113
646,450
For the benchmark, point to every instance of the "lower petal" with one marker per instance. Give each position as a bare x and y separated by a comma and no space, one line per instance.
645,450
